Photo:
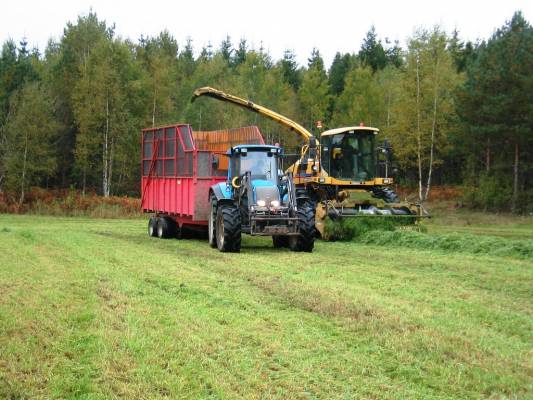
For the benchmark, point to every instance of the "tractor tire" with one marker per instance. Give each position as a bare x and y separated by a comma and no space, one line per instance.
152,227
228,229
305,241
166,228
211,224
280,241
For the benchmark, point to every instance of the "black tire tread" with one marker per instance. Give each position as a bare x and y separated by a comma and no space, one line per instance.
305,241
232,228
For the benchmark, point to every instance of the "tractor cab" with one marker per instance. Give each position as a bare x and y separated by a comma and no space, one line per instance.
349,153
260,161
255,171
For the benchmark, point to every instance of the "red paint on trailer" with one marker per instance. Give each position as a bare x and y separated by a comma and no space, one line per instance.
177,168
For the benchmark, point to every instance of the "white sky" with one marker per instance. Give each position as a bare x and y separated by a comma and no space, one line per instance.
334,25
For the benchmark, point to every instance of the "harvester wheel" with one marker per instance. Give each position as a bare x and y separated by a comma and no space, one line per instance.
228,229
280,241
390,196
165,228
305,241
152,227
212,222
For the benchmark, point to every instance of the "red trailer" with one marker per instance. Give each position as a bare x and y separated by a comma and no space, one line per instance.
179,166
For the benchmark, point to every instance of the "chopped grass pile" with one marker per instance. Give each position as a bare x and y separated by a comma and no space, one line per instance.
488,245
353,228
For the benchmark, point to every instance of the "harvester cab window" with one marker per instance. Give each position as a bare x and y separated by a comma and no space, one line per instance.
352,156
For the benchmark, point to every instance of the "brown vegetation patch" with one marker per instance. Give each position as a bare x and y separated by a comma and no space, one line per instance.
319,301
70,202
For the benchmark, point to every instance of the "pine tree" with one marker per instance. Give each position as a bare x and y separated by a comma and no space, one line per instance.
372,53
240,54
289,68
226,49
340,66
496,104
314,92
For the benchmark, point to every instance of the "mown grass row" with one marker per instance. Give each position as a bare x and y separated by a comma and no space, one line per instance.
398,232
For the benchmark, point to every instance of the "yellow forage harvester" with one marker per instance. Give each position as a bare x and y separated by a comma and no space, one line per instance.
344,174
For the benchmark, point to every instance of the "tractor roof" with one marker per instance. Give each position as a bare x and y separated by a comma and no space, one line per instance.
254,147
345,129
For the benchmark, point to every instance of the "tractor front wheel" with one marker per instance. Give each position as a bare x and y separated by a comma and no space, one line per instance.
305,241
228,229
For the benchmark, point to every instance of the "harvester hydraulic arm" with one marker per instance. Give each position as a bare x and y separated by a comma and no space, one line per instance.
220,95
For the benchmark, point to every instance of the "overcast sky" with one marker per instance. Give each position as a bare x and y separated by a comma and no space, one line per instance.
330,26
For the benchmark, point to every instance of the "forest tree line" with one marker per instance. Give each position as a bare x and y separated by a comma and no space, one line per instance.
455,112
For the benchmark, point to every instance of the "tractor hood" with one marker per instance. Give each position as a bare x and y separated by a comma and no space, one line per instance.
266,191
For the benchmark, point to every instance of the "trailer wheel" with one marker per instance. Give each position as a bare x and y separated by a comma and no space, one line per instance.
152,227
305,241
212,222
165,228
280,241
228,229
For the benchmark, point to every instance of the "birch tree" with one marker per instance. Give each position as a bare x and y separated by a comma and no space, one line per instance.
30,133
425,110
100,112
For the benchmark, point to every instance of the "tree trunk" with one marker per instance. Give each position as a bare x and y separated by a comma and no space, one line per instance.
84,181
515,180
153,109
388,107
105,155
487,156
433,127
23,178
418,133
110,175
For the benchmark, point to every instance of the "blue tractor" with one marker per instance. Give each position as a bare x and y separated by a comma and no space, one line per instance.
258,198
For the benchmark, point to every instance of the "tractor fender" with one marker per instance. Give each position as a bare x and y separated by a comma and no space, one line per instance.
221,192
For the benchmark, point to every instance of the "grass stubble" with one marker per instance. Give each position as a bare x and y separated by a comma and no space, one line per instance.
94,308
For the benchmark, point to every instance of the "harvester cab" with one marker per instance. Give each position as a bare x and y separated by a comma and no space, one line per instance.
350,155
258,199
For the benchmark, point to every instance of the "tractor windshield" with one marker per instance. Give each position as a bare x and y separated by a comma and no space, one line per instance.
260,163
350,156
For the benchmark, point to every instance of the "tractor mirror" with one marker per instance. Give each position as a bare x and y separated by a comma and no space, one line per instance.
214,162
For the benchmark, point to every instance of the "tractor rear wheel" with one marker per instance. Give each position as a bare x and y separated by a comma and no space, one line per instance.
305,241
228,229
280,241
152,227
211,225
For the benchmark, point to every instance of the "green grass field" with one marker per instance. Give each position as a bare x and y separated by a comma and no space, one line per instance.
94,309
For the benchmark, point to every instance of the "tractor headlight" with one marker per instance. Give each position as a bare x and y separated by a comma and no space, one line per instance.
274,203
261,203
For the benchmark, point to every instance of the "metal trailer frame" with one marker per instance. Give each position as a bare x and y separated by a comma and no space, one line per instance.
179,166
